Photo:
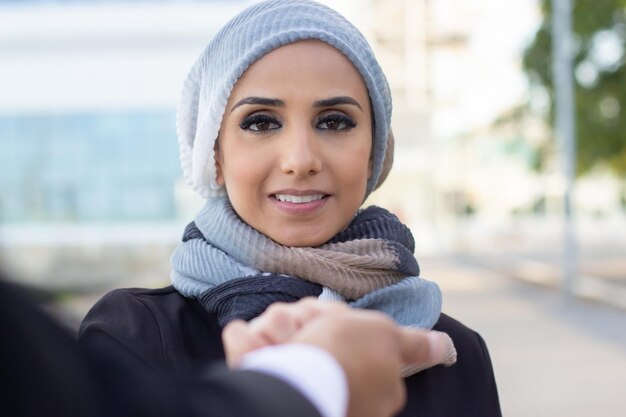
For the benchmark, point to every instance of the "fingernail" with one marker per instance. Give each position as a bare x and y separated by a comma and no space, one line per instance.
441,344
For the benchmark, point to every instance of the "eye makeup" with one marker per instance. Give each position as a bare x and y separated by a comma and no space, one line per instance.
335,122
260,123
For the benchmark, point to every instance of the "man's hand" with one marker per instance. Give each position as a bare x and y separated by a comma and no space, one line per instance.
370,348
277,325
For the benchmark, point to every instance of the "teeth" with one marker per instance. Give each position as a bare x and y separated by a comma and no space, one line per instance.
299,199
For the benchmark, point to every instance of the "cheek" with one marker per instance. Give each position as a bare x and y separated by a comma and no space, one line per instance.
241,173
238,164
356,170
361,163
219,172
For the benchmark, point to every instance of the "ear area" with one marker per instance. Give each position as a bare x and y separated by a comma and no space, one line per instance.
217,160
387,161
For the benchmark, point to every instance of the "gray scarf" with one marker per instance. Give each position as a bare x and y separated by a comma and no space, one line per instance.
370,264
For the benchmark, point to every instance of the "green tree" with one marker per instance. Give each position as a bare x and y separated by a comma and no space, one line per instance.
600,74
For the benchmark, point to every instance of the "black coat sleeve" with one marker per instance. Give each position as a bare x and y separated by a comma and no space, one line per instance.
122,321
492,400
159,327
44,372
465,389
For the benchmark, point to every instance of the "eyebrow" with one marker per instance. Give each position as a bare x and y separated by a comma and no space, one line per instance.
274,102
263,101
333,101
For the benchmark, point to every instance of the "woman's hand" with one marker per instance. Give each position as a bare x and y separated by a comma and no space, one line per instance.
369,347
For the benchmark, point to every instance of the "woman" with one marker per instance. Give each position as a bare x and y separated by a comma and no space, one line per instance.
284,127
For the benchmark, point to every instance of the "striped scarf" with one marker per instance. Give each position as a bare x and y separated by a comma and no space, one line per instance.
235,271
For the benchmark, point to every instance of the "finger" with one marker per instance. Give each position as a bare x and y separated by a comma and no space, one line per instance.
415,345
399,399
310,308
426,347
277,324
238,339
443,347
306,310
281,321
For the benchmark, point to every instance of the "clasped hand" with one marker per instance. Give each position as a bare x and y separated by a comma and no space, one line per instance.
368,345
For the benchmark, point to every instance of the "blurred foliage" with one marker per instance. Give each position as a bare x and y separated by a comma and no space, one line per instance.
600,69
536,153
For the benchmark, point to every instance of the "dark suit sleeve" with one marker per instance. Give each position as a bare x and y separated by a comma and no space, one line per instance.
41,367
44,372
246,393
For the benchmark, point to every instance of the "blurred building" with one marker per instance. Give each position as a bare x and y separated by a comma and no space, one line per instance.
87,106
90,179
454,68
88,93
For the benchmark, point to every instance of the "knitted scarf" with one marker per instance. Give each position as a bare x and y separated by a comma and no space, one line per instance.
236,272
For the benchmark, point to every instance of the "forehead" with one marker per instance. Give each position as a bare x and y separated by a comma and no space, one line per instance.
302,66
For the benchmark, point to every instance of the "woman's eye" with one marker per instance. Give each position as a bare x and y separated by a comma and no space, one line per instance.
260,123
335,122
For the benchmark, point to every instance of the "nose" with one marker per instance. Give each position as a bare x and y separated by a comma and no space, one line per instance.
301,154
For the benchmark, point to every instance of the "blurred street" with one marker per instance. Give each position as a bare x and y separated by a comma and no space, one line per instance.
552,356
530,249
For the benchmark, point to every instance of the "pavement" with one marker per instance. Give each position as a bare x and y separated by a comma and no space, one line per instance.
530,249
553,355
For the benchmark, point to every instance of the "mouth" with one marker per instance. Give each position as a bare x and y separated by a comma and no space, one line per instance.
299,199
298,202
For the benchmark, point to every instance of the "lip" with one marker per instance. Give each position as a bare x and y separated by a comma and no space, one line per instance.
293,191
299,208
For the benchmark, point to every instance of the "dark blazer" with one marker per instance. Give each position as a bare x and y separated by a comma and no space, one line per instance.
44,372
163,329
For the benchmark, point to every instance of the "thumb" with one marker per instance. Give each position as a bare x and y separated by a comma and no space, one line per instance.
421,349
239,339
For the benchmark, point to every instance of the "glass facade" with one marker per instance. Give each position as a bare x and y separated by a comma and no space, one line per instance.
105,1
88,167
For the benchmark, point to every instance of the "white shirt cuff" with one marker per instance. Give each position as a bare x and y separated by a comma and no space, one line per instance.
315,373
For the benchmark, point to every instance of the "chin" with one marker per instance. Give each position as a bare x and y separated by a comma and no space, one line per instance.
300,241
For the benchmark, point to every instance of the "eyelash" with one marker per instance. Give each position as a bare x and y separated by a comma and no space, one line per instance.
253,121
338,118
257,119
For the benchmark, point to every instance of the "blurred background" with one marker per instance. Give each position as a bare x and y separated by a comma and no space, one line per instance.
91,194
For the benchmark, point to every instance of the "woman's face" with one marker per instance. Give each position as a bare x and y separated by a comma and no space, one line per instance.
294,144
